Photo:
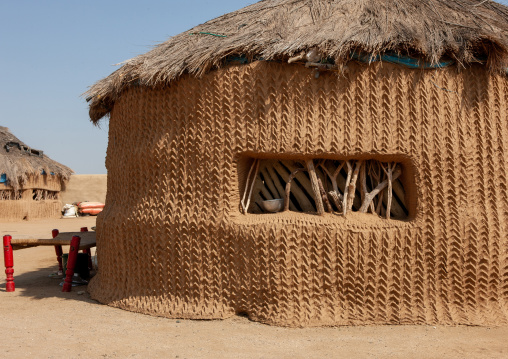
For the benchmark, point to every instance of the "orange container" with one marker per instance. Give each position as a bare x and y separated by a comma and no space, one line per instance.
83,205
92,211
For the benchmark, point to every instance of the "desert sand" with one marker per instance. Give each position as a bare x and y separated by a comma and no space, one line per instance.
38,320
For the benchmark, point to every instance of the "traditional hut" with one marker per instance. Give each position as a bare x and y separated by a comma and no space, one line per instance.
30,181
379,128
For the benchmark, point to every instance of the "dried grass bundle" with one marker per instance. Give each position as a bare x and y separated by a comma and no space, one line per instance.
19,166
462,30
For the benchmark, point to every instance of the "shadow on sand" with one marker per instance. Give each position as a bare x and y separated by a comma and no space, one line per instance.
37,284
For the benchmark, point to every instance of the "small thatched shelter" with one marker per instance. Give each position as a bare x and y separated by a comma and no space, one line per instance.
382,126
30,181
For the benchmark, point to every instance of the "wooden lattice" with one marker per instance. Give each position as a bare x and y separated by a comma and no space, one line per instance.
342,186
44,195
10,195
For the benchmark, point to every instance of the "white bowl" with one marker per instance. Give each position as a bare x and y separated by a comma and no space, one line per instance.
273,205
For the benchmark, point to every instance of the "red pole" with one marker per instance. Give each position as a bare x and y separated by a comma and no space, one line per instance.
9,264
88,251
58,251
71,263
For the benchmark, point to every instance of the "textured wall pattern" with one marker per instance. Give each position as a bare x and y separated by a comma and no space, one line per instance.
173,243
28,209
13,211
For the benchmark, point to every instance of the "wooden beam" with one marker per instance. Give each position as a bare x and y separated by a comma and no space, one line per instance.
315,187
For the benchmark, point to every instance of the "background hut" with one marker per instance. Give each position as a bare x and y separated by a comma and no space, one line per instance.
207,125
30,181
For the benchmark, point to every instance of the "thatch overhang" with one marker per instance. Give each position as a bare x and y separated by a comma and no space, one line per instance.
464,31
18,161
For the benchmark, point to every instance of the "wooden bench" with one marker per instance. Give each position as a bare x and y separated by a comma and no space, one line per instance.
77,241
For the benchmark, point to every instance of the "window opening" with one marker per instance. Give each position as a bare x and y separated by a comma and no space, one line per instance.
10,195
323,185
44,195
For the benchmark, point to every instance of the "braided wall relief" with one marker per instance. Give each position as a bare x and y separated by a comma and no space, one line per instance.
173,242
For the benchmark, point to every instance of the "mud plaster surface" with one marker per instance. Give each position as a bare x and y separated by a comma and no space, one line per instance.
28,209
41,321
173,243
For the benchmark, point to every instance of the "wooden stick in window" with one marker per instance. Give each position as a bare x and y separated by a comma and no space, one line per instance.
335,194
246,190
348,180
255,165
315,187
352,186
389,173
324,196
288,187
252,186
375,177
363,182
386,183
379,204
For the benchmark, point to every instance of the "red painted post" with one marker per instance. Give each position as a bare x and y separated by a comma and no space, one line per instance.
58,251
88,251
71,263
9,264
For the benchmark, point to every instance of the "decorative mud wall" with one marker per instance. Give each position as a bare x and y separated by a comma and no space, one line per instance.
37,199
172,240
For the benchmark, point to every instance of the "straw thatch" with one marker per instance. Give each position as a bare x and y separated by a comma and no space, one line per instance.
462,30
19,165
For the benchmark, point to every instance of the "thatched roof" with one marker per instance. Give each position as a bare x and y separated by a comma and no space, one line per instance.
18,161
462,30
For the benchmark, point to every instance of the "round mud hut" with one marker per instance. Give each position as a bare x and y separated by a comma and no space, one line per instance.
312,163
30,182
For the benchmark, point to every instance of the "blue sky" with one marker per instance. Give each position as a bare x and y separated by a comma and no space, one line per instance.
52,50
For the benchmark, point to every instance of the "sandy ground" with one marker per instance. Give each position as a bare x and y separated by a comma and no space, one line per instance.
38,320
